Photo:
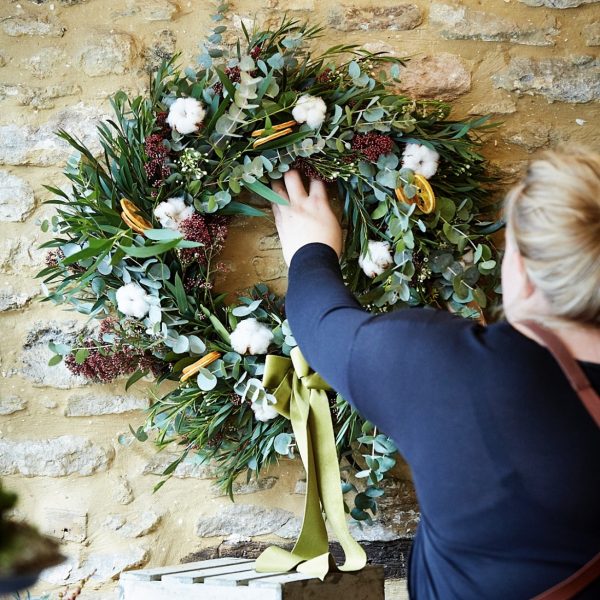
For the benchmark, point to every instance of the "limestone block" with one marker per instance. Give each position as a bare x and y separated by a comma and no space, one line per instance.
36,96
53,457
457,22
16,197
186,469
107,54
121,490
242,488
11,404
269,267
24,25
36,354
64,524
572,79
443,76
243,519
86,405
530,136
591,33
18,254
47,62
399,17
558,3
11,299
134,525
160,47
40,146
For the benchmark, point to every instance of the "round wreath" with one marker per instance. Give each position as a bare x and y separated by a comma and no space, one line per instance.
138,235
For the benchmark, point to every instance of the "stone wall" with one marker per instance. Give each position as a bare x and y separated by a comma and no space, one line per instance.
533,63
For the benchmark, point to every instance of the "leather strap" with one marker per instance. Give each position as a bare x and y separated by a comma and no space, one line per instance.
590,572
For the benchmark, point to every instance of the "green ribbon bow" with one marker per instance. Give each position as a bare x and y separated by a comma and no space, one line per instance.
301,398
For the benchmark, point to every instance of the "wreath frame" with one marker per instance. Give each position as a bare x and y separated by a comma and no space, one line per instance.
100,243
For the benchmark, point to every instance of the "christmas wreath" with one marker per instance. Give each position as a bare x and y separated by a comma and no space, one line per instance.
136,238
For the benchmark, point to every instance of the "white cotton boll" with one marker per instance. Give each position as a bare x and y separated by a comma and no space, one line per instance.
263,410
420,159
172,212
310,110
132,300
377,259
251,337
185,115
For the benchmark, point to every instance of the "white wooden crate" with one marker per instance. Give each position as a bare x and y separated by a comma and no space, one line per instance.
236,579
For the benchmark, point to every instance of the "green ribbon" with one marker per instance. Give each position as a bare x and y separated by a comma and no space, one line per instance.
301,398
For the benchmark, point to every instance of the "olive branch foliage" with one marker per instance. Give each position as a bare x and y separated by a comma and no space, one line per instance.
445,259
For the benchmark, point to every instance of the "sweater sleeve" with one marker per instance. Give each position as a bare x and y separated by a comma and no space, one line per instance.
382,364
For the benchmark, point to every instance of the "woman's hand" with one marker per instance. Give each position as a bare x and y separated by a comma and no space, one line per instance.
308,218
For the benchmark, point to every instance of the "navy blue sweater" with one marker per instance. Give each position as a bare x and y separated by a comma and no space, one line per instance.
503,454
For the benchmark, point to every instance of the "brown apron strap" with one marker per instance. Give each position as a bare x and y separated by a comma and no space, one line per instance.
576,583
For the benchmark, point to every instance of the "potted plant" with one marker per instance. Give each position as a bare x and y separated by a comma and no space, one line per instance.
24,552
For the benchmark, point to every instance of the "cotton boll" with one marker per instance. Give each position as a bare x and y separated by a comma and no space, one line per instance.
185,115
310,110
132,300
420,159
377,259
263,409
251,337
172,212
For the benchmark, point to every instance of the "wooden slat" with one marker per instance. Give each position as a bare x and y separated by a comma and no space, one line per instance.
238,579
157,573
200,575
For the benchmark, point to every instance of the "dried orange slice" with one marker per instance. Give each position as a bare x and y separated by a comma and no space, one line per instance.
279,127
194,368
271,137
131,216
424,198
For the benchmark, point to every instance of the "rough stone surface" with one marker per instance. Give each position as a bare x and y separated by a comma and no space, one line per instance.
443,76
18,26
13,300
591,33
121,490
12,404
399,17
53,457
107,54
17,254
97,567
242,488
161,47
85,405
243,519
269,267
530,136
36,355
184,470
461,23
270,242
48,62
16,197
64,524
135,525
558,3
574,79
40,146
36,96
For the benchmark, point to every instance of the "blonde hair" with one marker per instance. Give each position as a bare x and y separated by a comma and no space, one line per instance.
553,215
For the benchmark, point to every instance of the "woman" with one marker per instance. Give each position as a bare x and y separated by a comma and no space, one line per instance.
503,453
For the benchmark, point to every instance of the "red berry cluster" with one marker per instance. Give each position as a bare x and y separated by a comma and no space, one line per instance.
326,76
255,52
372,145
234,75
307,169
209,231
156,169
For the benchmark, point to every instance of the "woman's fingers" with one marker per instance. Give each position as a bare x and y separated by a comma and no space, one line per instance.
278,187
317,190
294,185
